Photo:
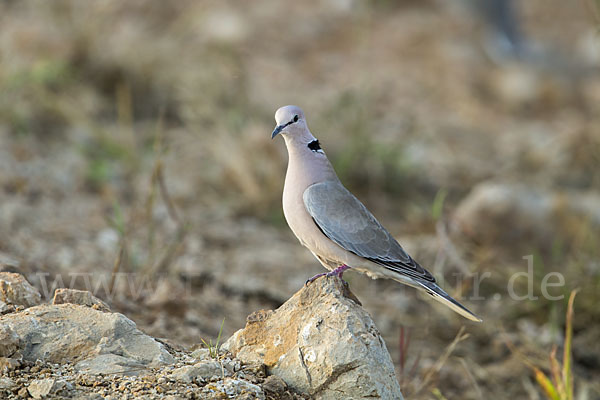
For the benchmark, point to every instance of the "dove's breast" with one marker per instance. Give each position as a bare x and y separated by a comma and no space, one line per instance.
303,171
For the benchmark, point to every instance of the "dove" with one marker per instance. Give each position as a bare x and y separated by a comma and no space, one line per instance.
334,225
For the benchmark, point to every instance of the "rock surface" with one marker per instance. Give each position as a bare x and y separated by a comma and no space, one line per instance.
492,206
204,370
82,350
41,388
69,332
16,291
65,381
107,364
320,342
9,341
7,383
81,297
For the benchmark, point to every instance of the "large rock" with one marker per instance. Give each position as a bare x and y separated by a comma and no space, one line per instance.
82,297
321,342
69,333
500,212
16,291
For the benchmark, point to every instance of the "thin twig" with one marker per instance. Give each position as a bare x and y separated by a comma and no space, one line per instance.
442,360
172,249
116,267
165,193
471,377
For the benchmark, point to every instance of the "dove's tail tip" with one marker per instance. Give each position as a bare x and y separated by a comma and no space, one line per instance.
437,293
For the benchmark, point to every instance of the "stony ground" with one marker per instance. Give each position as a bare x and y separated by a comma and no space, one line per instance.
76,347
62,381
135,162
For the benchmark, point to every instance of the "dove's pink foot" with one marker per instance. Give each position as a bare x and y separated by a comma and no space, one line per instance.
339,271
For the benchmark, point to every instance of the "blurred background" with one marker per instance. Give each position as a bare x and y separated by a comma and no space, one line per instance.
135,140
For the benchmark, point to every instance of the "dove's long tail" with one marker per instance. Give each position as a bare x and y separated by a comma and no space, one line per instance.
437,293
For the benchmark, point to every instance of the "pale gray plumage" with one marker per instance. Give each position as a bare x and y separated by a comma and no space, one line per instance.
346,221
333,224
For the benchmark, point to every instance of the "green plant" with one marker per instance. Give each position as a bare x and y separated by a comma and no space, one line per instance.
117,220
558,385
213,349
438,204
438,394
107,159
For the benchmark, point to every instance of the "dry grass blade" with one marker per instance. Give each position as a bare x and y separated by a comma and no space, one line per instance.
116,267
158,180
406,374
428,378
403,343
463,363
555,371
567,373
559,386
160,177
172,250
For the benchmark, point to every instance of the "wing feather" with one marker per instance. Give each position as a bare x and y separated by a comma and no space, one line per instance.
345,220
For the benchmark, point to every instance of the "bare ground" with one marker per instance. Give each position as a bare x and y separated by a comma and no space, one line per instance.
142,128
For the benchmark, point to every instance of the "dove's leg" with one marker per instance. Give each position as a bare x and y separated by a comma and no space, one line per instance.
336,272
314,278
339,271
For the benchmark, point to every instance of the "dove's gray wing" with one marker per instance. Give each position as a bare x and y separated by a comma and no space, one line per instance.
346,221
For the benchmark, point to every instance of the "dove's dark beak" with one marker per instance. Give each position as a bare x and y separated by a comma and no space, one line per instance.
277,130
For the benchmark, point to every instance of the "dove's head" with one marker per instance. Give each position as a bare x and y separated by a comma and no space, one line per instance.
290,122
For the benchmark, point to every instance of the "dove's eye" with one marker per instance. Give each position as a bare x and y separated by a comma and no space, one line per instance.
295,118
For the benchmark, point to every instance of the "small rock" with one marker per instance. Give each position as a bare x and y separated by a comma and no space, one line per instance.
8,263
81,297
109,364
90,396
5,308
14,289
320,342
205,370
40,388
255,368
201,354
9,341
230,365
274,384
236,387
7,383
8,364
184,374
517,86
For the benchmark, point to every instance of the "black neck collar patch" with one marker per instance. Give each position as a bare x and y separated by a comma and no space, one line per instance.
314,145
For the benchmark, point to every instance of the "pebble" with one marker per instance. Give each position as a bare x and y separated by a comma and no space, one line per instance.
46,380
6,383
